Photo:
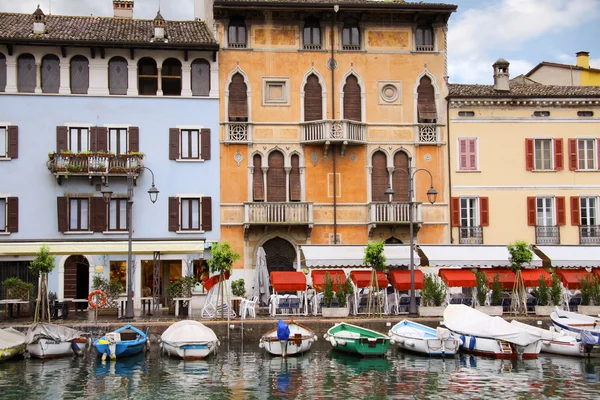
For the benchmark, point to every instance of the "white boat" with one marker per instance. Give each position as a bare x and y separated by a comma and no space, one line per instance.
49,340
189,339
12,343
490,336
575,322
412,336
300,340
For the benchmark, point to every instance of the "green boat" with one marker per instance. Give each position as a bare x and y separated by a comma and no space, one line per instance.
357,340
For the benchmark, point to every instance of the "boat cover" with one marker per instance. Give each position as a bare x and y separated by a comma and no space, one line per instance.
11,337
283,330
188,332
52,332
546,334
466,320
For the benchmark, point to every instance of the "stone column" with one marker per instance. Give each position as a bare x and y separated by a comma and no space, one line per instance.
287,183
302,184
65,78
264,171
11,74
98,78
132,81
38,77
159,92
186,80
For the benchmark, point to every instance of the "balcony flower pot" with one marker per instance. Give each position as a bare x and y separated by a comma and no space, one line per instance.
431,311
589,310
494,311
335,312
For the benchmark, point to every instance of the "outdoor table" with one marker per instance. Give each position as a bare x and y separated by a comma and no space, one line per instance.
182,299
147,302
9,306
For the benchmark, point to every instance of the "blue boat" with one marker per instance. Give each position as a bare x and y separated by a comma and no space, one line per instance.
414,337
125,341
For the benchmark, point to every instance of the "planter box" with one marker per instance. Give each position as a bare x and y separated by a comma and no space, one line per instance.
494,311
589,310
431,311
335,312
544,310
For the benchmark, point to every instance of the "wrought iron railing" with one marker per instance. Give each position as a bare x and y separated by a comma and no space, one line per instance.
312,47
589,234
394,212
334,130
94,163
238,132
427,133
347,47
471,235
547,235
278,213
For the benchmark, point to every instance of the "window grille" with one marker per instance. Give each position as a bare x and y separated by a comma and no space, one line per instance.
118,76
200,78
50,74
26,73
80,75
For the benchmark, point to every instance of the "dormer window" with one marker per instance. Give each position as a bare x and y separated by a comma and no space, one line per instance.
424,37
237,33
312,34
351,35
541,113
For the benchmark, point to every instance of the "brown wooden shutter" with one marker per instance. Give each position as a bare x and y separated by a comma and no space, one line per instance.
97,214
258,183
207,214
559,164
573,154
93,139
238,98
426,100
62,213
276,178
12,220
529,161
379,177
400,182
173,143
62,134
561,211
134,139
531,212
352,103
173,214
575,213
205,143
295,193
455,211
313,99
13,142
102,139
484,211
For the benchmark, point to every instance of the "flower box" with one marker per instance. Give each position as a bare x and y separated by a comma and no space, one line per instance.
544,310
589,310
431,311
335,312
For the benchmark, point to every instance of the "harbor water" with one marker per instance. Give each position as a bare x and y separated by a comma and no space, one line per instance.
244,371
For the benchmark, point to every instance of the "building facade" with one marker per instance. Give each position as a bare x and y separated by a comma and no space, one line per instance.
580,74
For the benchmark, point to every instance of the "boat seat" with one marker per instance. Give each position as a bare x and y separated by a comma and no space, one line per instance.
347,335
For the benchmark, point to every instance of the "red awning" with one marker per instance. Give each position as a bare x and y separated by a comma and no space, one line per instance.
571,277
318,277
213,280
362,279
401,279
457,277
531,277
507,277
288,281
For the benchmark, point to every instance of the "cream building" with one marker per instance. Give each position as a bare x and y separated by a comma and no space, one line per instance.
580,74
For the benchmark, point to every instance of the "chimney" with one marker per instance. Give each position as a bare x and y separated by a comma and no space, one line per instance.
123,8
501,76
39,21
203,10
583,59
159,27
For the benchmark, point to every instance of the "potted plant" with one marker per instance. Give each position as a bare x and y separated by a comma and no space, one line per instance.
16,289
51,155
542,293
496,296
556,292
222,257
238,288
482,286
433,296
112,290
590,296
520,255
339,289
375,258
41,266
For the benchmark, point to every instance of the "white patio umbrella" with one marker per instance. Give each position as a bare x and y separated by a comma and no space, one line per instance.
261,277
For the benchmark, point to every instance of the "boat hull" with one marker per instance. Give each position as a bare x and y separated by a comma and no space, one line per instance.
10,352
575,322
190,351
122,349
489,347
430,347
357,340
300,341
47,348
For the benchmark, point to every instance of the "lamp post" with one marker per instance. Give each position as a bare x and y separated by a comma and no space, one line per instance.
431,196
107,194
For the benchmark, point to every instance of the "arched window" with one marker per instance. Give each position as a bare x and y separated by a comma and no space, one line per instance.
424,37
276,178
171,77
238,99
351,35
295,192
400,179
313,99
311,35
258,184
352,104
237,33
26,73
50,74
379,177
200,77
147,77
426,101
2,72
118,76
80,75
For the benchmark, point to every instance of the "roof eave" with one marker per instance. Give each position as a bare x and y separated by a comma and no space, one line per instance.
450,8
111,44
513,97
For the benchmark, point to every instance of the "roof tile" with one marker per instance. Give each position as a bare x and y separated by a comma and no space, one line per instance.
519,90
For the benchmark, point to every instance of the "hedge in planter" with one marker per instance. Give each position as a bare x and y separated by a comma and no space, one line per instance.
434,291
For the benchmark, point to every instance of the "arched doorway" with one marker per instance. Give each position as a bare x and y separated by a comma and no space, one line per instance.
281,255
393,240
77,277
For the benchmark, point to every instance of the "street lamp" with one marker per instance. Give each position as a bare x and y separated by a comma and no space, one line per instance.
431,196
107,194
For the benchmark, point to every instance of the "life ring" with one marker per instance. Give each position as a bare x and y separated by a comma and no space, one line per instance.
102,298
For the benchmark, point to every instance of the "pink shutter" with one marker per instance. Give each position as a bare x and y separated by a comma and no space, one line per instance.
462,155
472,159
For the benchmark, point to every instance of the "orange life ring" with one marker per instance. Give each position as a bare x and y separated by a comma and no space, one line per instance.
102,298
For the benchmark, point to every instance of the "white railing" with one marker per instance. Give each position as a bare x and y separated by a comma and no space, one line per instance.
425,47
237,45
94,163
238,132
427,133
278,213
394,212
334,130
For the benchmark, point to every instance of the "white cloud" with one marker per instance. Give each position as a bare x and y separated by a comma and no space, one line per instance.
595,63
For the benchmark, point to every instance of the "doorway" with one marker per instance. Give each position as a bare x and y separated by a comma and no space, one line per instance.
77,277
170,271
281,255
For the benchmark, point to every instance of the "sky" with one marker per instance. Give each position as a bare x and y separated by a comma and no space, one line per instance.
524,32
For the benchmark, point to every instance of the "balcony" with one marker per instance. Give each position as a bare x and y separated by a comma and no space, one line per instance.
394,213
278,214
470,235
328,132
238,132
427,134
424,47
547,235
589,234
94,164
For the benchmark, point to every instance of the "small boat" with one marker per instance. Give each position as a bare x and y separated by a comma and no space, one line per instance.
575,322
189,339
125,341
357,340
414,337
12,343
300,340
49,340
490,336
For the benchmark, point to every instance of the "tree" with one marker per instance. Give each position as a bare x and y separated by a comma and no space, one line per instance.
520,254
481,283
222,258
41,266
375,259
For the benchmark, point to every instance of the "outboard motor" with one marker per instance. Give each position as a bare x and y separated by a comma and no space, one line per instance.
589,341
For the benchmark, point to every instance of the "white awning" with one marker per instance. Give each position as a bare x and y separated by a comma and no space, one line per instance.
104,247
468,256
352,255
570,256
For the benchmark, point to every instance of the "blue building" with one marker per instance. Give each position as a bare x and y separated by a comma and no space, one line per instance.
91,105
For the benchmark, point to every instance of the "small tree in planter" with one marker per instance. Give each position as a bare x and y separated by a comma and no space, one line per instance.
496,297
520,254
341,290
375,259
433,294
222,258
590,296
556,291
41,266
481,283
542,292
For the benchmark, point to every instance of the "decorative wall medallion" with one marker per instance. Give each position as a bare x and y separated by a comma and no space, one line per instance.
353,157
331,62
314,158
238,158
427,157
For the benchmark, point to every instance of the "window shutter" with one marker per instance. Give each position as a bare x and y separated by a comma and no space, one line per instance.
573,154
205,143
561,213
12,221
62,213
575,214
295,193
352,103
558,155
206,214
276,178
98,214
258,183
379,177
472,155
426,100
134,139
238,99
531,212
400,182
313,99
93,139
102,139
484,212
13,141
455,211
529,154
173,143
598,153
61,138
462,154
173,214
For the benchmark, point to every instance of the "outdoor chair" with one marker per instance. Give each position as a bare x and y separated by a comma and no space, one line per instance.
456,300
248,307
531,303
506,302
